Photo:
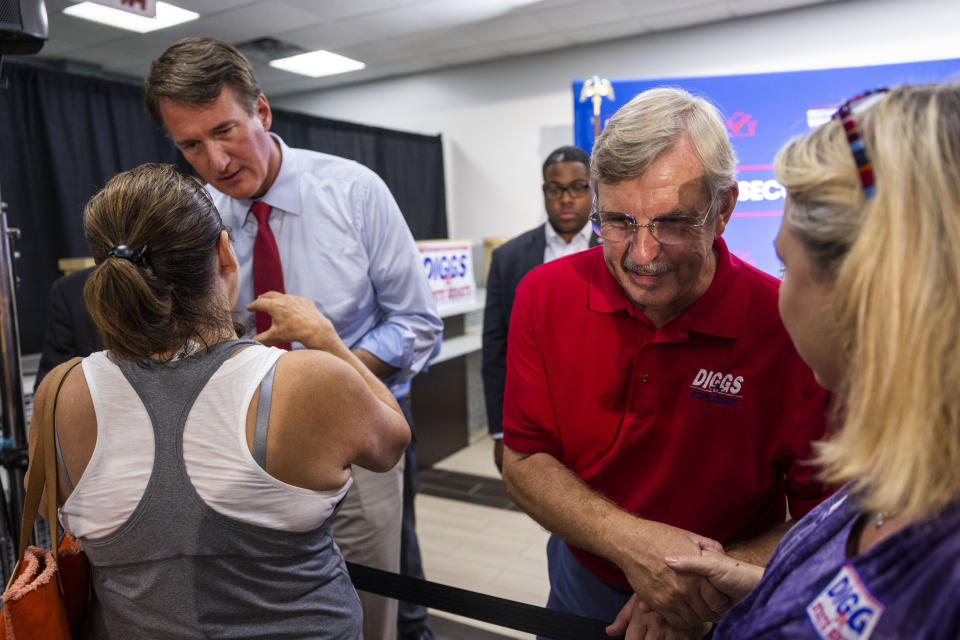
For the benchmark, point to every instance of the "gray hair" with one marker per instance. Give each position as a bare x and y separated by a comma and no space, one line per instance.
650,125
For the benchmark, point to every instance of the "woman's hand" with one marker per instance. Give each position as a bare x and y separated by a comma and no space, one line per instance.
732,577
295,319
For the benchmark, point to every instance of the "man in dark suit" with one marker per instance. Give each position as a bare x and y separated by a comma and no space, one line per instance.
70,329
567,199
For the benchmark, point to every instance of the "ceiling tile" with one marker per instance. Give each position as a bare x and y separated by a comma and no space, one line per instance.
465,55
541,43
266,18
382,24
285,83
608,31
687,17
428,15
510,27
459,12
390,36
83,31
428,43
327,35
655,7
371,53
331,10
582,14
749,7
523,6
206,7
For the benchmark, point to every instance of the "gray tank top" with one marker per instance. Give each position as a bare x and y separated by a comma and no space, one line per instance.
178,569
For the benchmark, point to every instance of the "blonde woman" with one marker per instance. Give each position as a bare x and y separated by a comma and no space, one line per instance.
870,244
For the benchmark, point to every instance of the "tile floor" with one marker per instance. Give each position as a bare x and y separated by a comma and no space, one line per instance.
492,550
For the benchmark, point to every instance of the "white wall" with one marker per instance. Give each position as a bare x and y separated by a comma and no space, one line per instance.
499,119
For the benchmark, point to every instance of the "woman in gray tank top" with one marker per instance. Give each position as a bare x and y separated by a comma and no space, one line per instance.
201,472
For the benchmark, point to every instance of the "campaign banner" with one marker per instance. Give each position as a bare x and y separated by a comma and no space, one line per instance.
762,112
448,265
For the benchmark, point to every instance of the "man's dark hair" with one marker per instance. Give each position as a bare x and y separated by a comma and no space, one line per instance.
566,154
194,71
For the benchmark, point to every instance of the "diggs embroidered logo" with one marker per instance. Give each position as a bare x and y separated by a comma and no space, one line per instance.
717,387
845,609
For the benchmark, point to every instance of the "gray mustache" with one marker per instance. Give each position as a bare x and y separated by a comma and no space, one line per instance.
651,269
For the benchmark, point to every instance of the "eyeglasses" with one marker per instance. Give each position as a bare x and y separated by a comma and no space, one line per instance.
576,190
845,115
668,229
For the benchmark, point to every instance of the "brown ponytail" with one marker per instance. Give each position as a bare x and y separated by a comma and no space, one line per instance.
155,303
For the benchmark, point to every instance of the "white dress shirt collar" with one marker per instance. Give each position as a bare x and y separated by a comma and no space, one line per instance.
284,193
557,247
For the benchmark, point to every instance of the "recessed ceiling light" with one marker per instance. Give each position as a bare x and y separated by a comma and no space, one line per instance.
317,63
167,16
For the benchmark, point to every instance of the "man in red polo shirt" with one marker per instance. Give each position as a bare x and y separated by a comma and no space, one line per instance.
655,405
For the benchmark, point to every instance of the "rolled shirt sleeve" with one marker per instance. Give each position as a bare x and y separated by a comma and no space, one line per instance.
408,331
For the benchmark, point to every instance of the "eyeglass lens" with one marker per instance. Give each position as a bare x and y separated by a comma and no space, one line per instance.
618,227
556,191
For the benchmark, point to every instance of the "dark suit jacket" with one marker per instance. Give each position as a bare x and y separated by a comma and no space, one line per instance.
70,329
508,264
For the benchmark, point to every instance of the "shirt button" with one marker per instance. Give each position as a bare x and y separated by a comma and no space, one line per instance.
645,378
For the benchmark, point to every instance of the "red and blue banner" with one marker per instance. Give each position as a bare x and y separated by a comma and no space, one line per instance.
762,112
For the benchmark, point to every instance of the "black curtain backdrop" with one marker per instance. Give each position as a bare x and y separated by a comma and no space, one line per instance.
65,134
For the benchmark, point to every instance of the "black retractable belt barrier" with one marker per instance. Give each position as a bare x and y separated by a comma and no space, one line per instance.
479,606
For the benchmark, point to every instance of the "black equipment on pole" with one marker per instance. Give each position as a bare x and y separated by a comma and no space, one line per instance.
13,447
23,29
23,26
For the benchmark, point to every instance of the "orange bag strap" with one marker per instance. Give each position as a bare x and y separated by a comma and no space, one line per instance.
44,463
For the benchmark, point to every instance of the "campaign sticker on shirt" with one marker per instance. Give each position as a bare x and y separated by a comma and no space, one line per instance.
845,609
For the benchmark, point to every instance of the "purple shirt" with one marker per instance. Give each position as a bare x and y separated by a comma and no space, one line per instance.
905,587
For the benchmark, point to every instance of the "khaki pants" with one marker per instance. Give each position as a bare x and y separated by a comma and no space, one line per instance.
367,530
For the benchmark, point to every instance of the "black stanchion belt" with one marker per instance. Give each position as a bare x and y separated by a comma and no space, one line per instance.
528,618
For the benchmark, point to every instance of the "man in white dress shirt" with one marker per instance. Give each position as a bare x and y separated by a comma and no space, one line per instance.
336,236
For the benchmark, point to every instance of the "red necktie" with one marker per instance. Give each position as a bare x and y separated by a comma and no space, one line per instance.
267,270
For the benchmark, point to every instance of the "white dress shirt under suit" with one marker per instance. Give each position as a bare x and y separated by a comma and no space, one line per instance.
557,247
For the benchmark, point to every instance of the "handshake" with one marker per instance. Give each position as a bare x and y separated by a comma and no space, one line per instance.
678,596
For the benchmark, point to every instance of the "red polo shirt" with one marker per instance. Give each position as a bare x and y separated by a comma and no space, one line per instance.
702,424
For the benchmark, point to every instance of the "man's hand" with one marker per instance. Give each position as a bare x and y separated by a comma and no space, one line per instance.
684,600
295,319
637,621
732,577
562,503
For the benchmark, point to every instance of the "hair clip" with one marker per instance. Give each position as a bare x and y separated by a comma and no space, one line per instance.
138,258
